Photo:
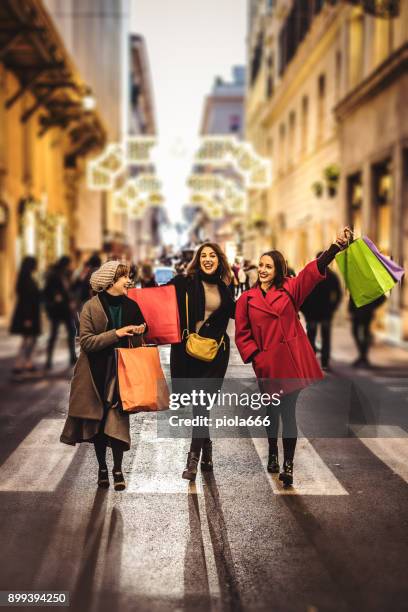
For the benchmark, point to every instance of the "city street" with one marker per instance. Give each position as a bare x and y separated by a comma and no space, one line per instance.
233,541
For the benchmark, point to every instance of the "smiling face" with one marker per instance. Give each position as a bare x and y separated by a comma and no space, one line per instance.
266,270
208,260
122,282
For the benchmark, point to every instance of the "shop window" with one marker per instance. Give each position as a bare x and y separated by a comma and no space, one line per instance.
321,106
234,123
282,147
383,31
356,47
305,124
338,74
355,202
292,137
269,77
383,194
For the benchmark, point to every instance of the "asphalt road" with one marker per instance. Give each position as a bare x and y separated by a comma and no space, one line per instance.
337,541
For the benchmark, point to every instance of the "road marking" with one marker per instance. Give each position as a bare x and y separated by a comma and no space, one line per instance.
159,462
39,462
389,443
311,474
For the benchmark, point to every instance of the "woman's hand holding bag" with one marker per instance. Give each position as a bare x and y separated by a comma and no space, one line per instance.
141,380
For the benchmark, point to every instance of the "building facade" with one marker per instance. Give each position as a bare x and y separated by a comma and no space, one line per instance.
96,35
224,107
223,115
46,134
325,102
144,234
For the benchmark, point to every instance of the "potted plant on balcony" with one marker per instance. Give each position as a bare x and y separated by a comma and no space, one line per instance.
317,188
331,176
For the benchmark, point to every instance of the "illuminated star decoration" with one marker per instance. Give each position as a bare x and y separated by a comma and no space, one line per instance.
108,170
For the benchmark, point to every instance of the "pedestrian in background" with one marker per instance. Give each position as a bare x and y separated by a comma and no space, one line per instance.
81,286
60,307
109,320
268,333
26,321
252,274
361,321
291,271
206,304
235,270
242,279
147,278
319,308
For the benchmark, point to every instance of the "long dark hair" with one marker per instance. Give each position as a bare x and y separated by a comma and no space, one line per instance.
224,267
28,266
281,268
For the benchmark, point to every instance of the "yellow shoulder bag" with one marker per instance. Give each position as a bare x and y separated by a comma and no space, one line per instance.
199,347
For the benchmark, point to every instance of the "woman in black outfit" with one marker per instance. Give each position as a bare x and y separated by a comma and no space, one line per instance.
26,318
60,307
210,307
108,321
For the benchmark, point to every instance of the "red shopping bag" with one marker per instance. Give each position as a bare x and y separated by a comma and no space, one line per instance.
160,310
142,385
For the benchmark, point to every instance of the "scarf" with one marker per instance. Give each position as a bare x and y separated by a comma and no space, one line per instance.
198,306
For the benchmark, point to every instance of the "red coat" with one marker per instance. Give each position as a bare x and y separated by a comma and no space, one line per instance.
270,325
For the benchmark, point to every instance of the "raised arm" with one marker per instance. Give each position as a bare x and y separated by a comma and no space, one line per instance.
301,285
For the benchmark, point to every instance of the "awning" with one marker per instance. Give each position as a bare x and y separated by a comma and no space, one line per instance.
32,49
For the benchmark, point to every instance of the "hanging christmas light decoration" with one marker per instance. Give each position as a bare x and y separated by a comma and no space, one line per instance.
155,199
103,170
137,209
225,151
215,149
137,150
148,183
126,197
215,210
205,182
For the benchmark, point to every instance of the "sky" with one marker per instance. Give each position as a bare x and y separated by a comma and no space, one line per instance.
189,42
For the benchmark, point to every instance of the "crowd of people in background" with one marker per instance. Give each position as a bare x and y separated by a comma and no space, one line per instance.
65,290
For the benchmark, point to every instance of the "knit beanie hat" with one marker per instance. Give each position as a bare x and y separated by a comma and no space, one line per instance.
103,277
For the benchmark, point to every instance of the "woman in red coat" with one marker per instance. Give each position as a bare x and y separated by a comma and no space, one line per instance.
269,334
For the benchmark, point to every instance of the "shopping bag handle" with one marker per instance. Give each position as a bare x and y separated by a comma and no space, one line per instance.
130,341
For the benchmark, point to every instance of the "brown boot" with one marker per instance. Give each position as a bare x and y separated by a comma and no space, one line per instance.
190,472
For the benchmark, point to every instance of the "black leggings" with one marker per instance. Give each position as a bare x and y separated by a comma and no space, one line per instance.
200,434
101,444
287,411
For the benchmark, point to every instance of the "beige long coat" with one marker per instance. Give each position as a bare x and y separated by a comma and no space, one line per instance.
84,400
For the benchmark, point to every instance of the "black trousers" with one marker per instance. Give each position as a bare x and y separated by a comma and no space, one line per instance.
362,335
325,331
287,413
200,434
70,327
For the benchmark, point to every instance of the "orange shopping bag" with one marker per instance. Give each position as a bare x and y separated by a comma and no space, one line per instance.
142,385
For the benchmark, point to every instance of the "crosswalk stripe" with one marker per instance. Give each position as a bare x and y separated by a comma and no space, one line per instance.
389,443
311,475
159,462
39,462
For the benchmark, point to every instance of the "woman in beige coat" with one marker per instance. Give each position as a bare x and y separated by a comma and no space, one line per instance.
108,321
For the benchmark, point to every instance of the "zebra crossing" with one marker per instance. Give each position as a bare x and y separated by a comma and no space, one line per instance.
40,462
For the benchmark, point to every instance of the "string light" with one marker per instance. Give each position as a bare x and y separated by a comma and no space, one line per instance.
224,151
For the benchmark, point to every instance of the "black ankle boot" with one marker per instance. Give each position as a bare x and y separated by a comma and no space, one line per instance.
287,475
103,478
190,472
206,457
273,463
119,483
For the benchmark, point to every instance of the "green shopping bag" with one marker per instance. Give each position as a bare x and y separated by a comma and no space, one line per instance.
365,276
